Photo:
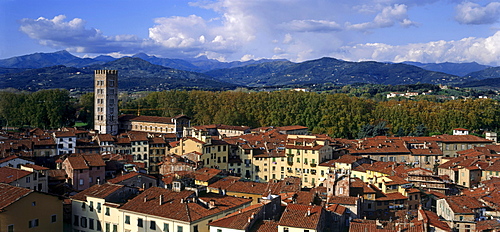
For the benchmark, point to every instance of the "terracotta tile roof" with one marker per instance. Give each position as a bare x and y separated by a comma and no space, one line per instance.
461,138
395,180
43,142
392,196
343,200
348,159
123,140
60,134
337,209
167,120
10,194
289,128
305,197
488,225
435,193
289,184
8,158
97,191
186,210
329,163
238,220
221,126
463,204
57,174
358,183
379,166
301,216
265,226
105,138
193,139
432,219
248,187
494,167
359,225
135,137
376,145
315,148
206,174
35,167
9,175
85,161
127,176
157,140
224,183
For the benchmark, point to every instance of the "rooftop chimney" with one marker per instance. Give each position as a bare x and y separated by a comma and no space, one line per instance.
161,199
211,204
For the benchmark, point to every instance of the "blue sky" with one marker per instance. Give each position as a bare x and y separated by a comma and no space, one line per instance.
228,30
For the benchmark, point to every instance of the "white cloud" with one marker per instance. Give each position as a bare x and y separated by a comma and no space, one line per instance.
172,33
311,26
389,16
247,57
73,36
473,13
481,50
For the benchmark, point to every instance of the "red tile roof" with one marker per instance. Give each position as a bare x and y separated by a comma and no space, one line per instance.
9,175
239,220
248,187
85,161
461,138
186,210
337,209
392,196
432,219
343,200
10,194
60,134
289,128
301,216
127,176
265,226
97,191
35,167
105,138
464,204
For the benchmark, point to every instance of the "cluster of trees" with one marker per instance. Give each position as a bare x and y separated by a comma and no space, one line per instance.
339,115
45,108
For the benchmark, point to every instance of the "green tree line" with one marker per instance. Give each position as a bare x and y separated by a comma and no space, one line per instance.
338,115
44,109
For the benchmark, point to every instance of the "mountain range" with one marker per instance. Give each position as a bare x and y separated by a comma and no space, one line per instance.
145,72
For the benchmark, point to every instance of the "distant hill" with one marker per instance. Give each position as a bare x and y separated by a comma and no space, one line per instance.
134,73
249,74
144,72
458,69
330,70
489,83
40,60
493,72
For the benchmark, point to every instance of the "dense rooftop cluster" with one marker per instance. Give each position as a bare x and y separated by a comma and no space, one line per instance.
234,178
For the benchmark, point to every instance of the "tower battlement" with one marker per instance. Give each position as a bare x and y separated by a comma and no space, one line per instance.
109,72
